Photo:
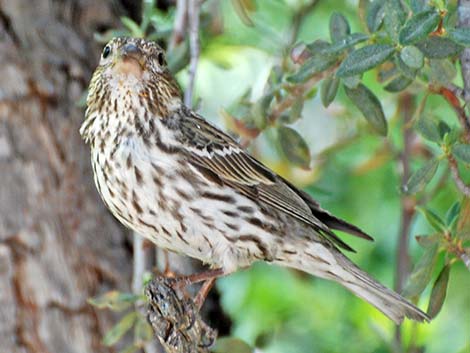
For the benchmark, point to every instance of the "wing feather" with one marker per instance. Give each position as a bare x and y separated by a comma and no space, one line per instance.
219,155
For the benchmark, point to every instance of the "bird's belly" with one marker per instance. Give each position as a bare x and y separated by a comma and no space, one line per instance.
162,199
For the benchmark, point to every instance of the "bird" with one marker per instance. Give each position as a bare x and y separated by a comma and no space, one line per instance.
168,174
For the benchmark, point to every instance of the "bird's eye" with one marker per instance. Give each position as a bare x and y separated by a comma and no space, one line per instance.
106,51
161,59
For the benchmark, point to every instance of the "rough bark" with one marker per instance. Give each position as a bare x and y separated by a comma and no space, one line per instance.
58,244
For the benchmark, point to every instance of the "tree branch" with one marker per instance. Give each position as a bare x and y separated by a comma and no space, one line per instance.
181,20
406,105
176,320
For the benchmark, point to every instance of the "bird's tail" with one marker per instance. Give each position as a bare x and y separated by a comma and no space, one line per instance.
327,262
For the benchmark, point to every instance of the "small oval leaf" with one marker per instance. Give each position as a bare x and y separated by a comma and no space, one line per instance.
405,70
419,26
438,293
421,177
398,84
339,27
312,66
412,57
427,127
365,58
462,152
328,90
427,241
421,274
394,19
344,43
438,47
452,214
370,107
375,15
433,219
442,71
294,147
460,36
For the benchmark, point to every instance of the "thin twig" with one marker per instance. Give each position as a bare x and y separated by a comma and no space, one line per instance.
181,20
194,50
406,105
463,187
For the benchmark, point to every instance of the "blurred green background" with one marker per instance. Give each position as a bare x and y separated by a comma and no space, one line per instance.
283,311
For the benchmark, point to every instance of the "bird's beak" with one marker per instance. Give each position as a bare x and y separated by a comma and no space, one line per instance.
131,60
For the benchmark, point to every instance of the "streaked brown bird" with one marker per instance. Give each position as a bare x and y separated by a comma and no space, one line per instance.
181,182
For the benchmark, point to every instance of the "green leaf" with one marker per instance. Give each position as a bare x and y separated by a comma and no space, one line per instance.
419,5
412,57
433,219
419,26
438,293
404,69
339,27
352,81
143,332
328,90
120,329
294,147
231,345
451,137
427,241
398,84
460,36
244,8
114,300
343,44
442,72
462,152
312,66
394,19
258,110
370,107
295,112
427,127
365,58
444,129
375,15
421,274
452,214
421,177
133,28
438,47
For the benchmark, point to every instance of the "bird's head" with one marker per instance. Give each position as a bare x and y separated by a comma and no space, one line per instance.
133,68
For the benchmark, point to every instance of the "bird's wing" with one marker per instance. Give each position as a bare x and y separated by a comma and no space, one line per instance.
220,158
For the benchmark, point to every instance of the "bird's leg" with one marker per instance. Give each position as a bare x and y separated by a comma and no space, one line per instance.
184,281
208,277
203,292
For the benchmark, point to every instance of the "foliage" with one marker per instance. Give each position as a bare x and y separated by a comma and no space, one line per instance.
392,62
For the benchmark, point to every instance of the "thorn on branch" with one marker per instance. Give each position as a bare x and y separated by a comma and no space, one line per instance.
175,319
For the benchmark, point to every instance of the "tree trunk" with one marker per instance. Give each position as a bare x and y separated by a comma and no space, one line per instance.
58,244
